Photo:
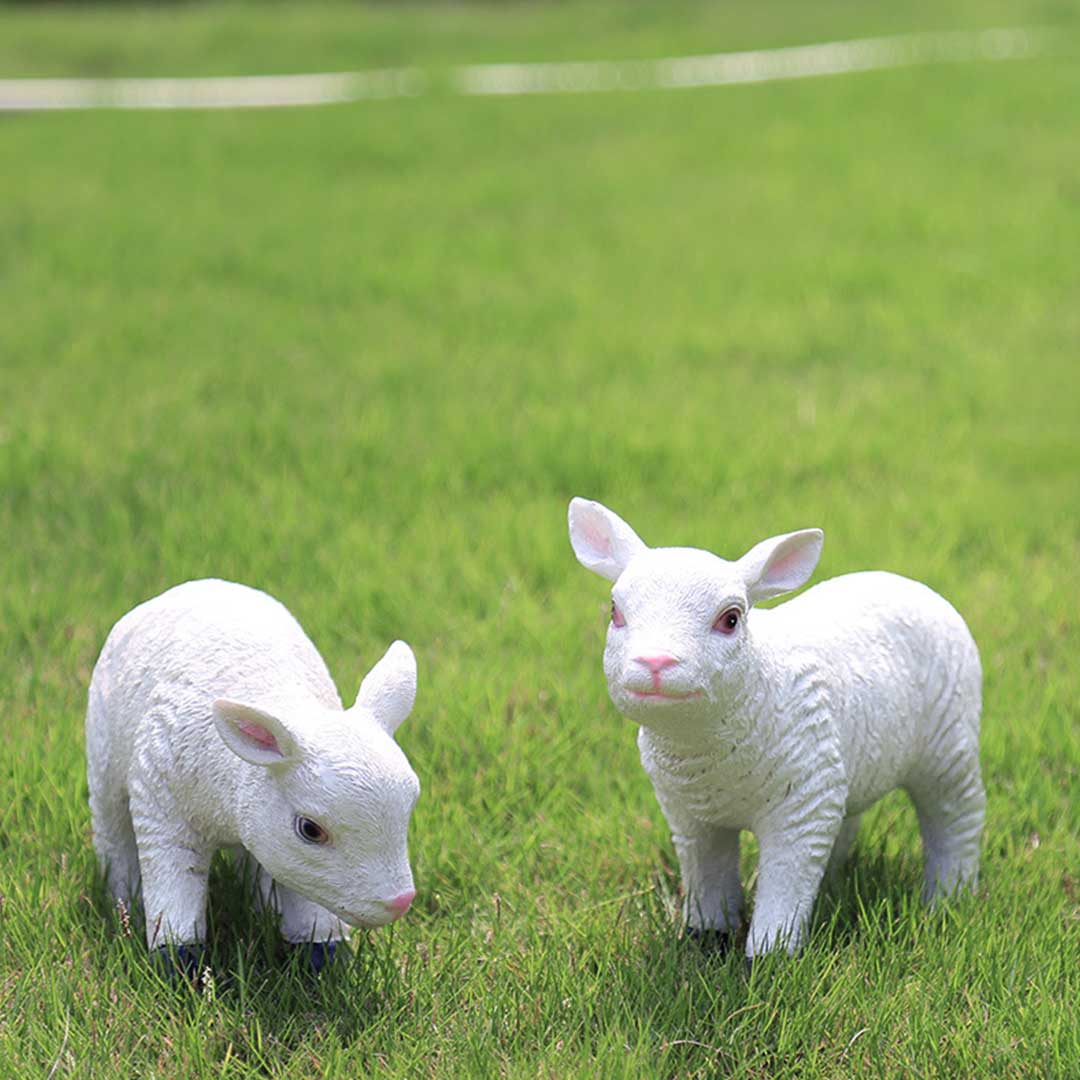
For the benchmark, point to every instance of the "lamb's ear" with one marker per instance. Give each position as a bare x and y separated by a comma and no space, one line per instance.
602,541
780,564
254,735
389,688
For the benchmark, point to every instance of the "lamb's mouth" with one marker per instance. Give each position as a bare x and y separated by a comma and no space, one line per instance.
661,695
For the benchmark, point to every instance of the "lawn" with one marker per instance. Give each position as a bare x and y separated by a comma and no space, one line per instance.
362,356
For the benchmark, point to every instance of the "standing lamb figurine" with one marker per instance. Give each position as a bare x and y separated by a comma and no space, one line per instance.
213,722
788,722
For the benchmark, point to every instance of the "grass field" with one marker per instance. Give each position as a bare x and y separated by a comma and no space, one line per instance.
362,356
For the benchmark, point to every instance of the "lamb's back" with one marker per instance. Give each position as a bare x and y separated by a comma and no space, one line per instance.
855,619
165,662
891,656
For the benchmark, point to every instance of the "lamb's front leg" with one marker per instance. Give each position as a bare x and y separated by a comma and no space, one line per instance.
309,926
792,858
709,864
303,923
174,864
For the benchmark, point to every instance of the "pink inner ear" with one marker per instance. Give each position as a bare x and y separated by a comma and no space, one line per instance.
257,733
595,534
787,567
783,567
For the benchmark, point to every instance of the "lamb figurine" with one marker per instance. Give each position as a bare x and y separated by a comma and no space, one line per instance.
787,722
213,722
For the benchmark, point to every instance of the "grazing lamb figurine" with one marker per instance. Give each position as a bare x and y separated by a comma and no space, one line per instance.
213,722
787,722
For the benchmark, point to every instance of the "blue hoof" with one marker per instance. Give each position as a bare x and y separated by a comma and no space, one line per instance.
319,954
180,961
712,941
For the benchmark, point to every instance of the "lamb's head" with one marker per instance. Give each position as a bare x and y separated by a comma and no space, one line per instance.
679,639
327,811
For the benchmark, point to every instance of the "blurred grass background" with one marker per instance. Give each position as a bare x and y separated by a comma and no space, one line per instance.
229,37
362,356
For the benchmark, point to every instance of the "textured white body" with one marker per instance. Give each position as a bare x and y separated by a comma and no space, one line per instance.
792,724
166,791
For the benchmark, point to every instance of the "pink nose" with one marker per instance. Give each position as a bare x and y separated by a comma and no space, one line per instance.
656,664
400,904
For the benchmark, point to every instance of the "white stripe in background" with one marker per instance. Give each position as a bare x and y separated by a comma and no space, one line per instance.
718,69
239,92
760,65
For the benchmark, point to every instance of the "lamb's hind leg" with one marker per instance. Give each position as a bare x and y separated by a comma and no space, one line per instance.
110,811
951,804
841,851
114,842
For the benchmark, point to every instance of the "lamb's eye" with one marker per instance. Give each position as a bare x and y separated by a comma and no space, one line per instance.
617,618
728,621
311,832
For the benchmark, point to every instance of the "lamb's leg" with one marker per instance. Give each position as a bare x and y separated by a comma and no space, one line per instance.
946,786
175,867
791,864
838,857
303,923
309,926
114,842
303,920
110,814
709,863
951,809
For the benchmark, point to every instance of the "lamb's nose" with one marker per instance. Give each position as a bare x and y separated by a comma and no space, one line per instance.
657,663
400,904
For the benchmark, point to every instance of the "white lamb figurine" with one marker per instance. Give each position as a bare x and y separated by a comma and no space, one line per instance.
213,722
787,722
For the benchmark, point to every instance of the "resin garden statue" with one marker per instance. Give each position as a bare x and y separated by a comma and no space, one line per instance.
213,723
788,722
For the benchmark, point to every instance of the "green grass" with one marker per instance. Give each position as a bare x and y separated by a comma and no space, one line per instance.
362,356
